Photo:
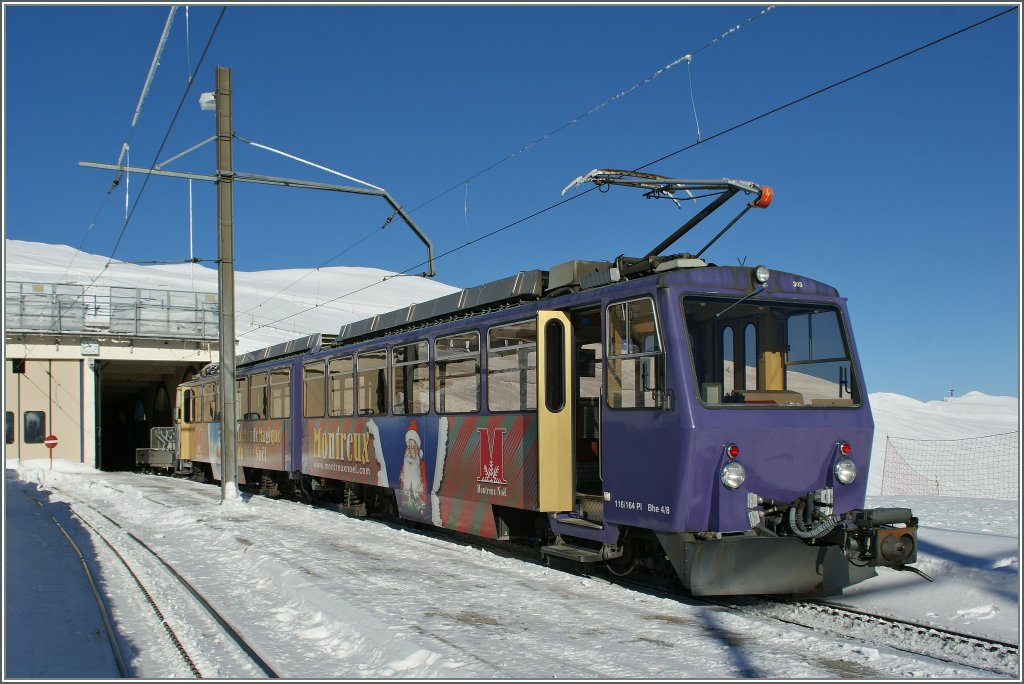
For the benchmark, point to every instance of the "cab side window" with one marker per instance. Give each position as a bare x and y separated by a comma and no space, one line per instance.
636,363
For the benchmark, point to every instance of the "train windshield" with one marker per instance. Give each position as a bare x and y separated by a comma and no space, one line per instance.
769,354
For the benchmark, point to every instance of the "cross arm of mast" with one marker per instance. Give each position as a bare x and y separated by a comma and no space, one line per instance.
285,182
154,172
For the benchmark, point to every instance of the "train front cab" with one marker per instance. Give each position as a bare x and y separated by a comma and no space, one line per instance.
777,447
733,427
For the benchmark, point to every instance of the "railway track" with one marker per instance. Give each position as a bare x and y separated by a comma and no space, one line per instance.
150,574
101,603
950,646
914,638
955,648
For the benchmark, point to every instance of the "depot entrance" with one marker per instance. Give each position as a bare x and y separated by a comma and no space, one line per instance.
131,398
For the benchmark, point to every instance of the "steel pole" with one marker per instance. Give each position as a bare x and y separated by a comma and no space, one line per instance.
226,287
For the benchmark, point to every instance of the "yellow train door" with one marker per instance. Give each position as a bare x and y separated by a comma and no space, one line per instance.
555,411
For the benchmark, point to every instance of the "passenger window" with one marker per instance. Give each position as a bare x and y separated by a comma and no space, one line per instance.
9,427
280,393
241,398
257,397
457,373
340,387
512,367
211,414
372,383
314,380
410,379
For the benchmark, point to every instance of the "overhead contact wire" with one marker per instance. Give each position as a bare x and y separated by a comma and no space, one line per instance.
746,123
827,88
170,127
685,58
138,198
688,147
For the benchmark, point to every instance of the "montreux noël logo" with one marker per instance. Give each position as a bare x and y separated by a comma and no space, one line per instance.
492,456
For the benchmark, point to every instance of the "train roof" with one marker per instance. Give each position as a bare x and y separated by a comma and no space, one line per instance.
571,276
275,352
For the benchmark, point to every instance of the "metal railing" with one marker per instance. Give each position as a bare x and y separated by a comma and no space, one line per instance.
54,308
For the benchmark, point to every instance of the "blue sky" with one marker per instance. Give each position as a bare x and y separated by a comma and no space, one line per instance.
900,188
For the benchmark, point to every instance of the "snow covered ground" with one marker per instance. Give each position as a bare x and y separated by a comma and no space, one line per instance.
321,595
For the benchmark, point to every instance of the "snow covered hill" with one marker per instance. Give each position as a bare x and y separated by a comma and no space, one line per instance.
972,415
272,306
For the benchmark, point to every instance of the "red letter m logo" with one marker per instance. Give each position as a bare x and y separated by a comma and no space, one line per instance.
492,456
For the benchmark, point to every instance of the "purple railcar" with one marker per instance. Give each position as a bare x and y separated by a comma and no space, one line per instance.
656,412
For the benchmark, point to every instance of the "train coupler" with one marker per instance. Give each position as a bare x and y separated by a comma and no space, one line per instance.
883,537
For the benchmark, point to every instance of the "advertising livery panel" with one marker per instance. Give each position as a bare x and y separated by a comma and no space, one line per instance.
261,444
448,471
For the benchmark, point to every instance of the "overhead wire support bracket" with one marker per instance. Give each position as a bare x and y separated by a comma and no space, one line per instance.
182,154
290,183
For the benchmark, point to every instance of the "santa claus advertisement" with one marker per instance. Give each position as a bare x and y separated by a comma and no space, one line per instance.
412,479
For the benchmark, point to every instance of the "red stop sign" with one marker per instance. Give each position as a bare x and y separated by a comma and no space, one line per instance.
50,441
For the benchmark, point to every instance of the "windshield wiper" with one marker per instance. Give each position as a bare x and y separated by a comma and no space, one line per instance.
740,301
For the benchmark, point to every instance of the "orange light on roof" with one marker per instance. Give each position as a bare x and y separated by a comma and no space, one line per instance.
763,199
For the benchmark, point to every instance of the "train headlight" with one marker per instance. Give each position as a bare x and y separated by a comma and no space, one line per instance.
761,274
733,475
846,470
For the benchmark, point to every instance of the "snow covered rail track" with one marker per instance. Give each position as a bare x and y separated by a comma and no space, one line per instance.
100,603
914,638
995,656
199,599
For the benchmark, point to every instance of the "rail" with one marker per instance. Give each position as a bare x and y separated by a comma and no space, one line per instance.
233,634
